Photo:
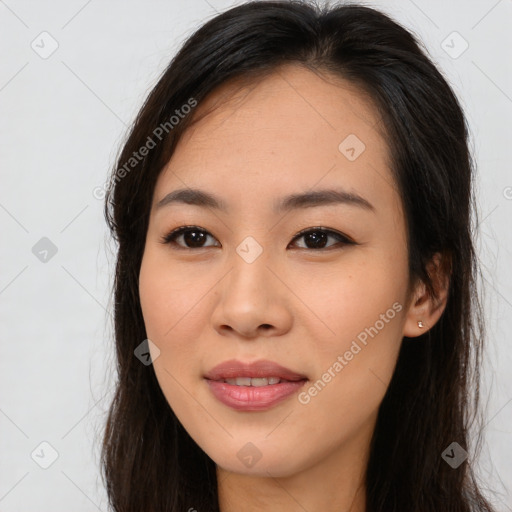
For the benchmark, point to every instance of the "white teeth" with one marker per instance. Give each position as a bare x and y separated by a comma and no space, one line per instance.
261,382
257,382
240,381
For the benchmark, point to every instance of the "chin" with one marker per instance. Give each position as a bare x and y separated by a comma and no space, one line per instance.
266,462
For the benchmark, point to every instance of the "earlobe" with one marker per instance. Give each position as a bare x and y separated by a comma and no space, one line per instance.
425,309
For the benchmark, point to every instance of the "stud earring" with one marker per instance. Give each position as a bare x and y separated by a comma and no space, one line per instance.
420,324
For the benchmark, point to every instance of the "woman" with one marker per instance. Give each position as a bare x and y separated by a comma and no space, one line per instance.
293,212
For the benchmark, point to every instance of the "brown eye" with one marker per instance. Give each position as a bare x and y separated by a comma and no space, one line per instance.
317,238
193,237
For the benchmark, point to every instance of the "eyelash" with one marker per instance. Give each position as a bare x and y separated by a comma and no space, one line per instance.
171,237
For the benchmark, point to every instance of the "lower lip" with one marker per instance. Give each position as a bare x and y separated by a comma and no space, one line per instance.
253,398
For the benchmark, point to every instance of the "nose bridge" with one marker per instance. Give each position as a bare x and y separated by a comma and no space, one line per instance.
249,274
250,294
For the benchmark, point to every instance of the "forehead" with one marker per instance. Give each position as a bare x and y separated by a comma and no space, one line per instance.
284,133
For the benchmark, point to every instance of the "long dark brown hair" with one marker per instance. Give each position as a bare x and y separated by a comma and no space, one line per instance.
149,462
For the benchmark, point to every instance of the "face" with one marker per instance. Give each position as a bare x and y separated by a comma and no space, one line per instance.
316,286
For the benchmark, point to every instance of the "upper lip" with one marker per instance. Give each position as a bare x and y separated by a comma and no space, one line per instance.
259,369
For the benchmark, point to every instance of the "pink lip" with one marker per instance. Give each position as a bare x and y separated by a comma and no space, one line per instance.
252,398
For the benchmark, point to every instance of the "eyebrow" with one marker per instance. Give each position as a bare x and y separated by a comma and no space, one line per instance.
308,199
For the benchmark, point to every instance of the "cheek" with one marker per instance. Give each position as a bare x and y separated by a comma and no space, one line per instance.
171,307
175,308
357,333
340,302
168,297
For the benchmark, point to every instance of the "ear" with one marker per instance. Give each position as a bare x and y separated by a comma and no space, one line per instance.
423,306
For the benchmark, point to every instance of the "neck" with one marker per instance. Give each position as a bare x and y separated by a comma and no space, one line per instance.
336,483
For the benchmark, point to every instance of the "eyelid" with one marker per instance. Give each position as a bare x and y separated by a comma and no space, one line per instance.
170,237
330,232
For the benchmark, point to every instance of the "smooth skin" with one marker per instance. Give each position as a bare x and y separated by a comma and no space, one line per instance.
299,303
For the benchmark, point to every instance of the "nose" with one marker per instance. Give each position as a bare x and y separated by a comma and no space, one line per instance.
253,301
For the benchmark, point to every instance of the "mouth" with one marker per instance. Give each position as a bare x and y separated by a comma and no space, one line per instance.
254,381
258,373
253,386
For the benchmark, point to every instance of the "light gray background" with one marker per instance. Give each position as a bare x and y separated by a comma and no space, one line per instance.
63,118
